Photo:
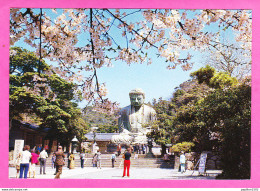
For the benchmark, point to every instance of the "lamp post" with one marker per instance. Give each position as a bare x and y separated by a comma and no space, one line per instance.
74,144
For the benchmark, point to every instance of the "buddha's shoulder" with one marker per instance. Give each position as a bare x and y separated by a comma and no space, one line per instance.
148,108
127,108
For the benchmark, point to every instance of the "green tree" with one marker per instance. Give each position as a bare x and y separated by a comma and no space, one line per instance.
221,122
43,96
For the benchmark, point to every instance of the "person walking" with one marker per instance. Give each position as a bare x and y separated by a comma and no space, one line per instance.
98,159
113,158
182,161
34,161
25,160
43,157
82,159
59,162
126,157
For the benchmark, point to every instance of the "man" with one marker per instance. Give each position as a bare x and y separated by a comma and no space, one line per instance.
127,156
113,158
43,157
82,158
59,162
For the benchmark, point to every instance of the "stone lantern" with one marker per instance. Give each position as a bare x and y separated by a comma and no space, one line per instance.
74,142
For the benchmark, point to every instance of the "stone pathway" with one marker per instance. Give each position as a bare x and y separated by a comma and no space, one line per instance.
116,173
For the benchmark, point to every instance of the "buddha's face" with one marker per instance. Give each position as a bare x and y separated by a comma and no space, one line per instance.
136,99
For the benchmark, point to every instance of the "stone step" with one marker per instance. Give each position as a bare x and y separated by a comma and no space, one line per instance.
139,163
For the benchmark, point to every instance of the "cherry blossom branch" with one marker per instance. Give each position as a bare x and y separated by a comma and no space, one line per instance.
93,52
124,23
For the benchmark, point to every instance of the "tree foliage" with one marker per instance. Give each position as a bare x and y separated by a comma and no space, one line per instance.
43,96
214,115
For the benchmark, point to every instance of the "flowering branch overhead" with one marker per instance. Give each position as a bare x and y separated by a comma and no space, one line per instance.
126,35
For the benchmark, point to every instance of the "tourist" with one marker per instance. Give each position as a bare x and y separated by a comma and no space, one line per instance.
182,161
25,160
53,158
113,159
46,147
72,161
34,161
140,149
94,160
126,157
144,148
137,148
39,148
17,164
118,149
82,158
68,159
59,162
98,159
43,158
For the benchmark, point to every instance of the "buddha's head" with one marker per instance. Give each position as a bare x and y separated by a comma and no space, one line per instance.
137,97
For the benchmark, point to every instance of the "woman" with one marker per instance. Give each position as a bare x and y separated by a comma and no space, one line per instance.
17,164
72,162
94,160
24,166
34,161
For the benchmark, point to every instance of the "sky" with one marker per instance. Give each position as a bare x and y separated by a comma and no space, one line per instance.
155,79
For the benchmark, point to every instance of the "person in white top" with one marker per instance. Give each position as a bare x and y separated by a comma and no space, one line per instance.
182,161
43,157
25,160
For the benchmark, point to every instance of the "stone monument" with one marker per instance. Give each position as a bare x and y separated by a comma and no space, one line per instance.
134,119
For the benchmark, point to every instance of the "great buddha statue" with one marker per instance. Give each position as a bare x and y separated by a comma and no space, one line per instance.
134,119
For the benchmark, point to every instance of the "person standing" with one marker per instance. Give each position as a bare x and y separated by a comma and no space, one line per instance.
182,161
118,150
94,160
113,158
72,161
17,164
53,158
126,157
98,159
68,159
82,159
25,160
43,158
59,162
34,161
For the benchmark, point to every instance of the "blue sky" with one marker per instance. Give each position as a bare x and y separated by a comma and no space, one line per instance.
154,79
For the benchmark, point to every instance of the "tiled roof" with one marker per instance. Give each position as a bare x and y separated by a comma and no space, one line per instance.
100,136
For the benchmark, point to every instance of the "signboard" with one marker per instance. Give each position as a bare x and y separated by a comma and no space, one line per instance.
202,164
18,147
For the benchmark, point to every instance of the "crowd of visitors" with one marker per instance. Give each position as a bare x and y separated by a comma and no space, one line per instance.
27,160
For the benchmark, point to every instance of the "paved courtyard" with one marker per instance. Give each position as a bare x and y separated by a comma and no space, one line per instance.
116,173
